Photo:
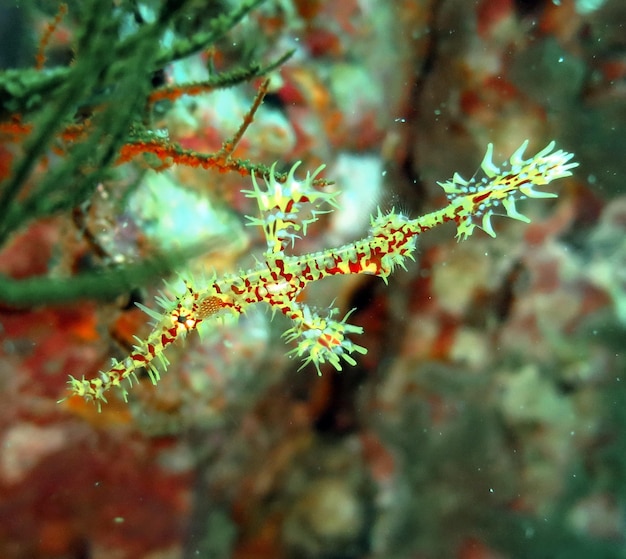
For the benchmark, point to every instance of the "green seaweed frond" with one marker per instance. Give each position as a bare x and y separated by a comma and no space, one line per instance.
75,121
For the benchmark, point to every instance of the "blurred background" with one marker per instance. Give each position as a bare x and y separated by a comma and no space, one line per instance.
488,418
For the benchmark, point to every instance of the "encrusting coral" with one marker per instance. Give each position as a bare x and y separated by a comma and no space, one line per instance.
279,279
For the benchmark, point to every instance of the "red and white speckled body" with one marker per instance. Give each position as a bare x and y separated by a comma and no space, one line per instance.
280,277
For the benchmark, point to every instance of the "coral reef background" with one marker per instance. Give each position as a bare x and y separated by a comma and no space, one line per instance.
488,418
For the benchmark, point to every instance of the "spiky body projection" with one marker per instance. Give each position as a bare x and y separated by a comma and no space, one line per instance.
281,277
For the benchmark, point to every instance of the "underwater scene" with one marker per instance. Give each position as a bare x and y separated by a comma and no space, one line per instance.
313,279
